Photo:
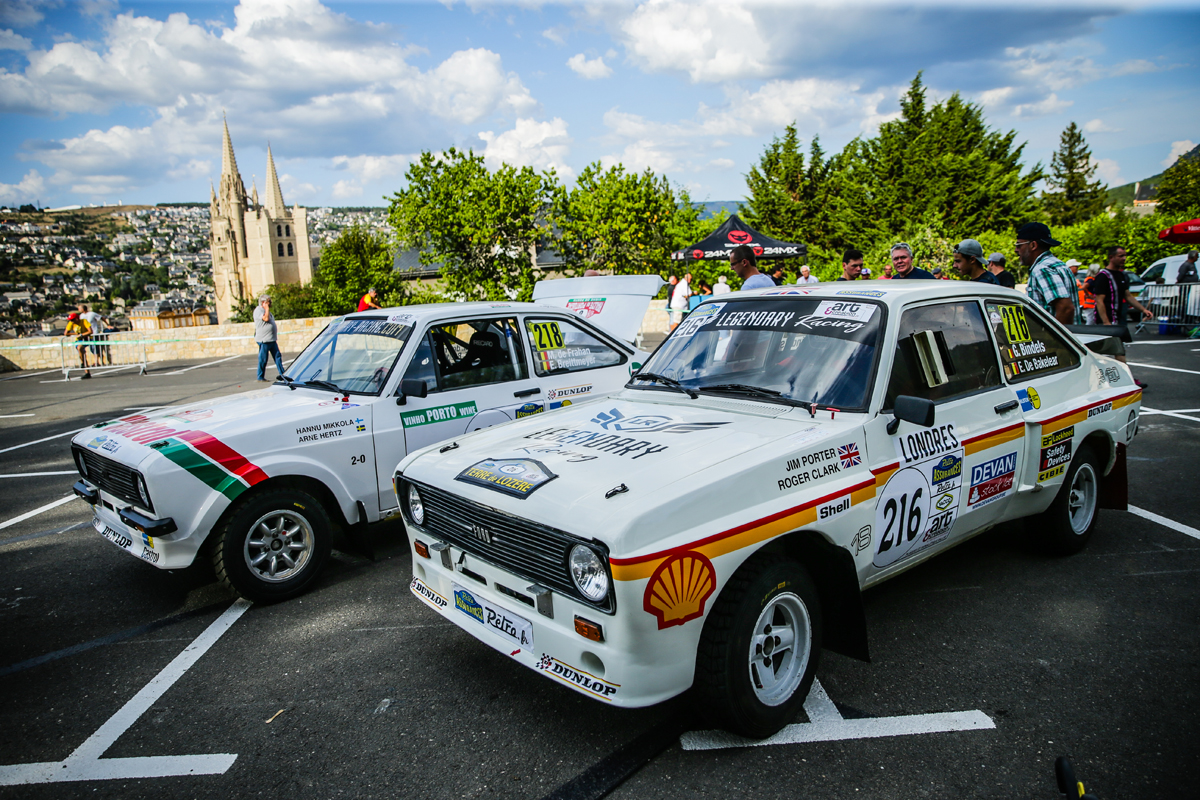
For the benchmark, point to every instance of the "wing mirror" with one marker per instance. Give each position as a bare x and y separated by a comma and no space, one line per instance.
916,410
411,387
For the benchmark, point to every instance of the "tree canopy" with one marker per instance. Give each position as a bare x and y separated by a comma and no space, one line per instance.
1074,196
1179,191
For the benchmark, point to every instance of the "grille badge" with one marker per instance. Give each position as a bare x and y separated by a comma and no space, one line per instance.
481,533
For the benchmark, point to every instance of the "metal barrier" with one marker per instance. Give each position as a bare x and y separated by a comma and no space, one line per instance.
100,353
1174,306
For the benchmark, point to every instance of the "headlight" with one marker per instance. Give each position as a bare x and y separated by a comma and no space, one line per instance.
587,570
143,492
79,462
416,509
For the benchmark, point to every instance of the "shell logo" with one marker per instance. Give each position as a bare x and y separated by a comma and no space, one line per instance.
679,588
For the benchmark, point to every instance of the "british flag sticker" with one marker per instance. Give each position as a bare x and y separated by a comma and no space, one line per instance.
849,455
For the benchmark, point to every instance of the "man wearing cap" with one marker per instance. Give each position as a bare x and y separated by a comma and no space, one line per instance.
902,263
996,267
852,264
968,260
1051,283
78,327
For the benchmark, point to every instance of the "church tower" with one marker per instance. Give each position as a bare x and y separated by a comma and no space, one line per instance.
253,245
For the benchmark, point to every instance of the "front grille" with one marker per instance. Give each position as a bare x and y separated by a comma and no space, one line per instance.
531,550
116,479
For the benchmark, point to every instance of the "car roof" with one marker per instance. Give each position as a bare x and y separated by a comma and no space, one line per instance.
890,292
428,311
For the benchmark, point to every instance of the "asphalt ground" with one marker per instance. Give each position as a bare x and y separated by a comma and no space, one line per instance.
357,690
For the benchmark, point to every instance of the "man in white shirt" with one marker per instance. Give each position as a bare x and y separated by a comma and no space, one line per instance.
679,299
97,324
806,276
722,286
745,264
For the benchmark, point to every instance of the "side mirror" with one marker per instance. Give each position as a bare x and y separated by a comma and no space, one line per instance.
411,387
916,410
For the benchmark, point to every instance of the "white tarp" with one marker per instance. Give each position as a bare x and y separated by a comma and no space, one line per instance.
616,303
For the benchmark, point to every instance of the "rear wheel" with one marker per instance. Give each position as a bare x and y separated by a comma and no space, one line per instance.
1066,526
759,650
273,545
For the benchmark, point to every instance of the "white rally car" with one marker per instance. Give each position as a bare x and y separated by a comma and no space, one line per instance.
263,478
713,525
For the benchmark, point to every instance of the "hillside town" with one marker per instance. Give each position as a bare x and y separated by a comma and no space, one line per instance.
156,259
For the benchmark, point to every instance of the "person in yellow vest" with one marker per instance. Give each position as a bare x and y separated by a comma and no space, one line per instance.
78,327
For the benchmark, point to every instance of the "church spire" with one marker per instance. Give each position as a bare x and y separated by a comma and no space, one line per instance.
228,162
254,192
274,204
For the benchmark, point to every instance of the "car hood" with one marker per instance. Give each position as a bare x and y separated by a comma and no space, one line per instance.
254,422
657,450
616,303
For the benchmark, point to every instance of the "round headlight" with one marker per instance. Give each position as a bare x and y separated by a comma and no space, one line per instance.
587,570
79,462
143,492
416,509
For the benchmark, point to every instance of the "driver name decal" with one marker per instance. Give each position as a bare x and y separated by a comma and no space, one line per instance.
428,416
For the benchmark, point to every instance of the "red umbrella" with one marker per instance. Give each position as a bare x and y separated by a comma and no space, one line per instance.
1183,233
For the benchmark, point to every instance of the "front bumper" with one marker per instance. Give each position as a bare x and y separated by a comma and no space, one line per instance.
152,544
625,669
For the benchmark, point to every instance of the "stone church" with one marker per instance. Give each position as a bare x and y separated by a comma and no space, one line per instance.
253,244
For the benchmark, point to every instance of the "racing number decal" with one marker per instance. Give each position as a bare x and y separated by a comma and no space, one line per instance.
547,336
1015,326
901,514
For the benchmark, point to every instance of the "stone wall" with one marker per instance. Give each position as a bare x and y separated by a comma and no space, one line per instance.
173,344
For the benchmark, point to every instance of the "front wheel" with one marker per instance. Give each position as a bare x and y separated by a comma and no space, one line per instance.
273,546
759,649
1066,526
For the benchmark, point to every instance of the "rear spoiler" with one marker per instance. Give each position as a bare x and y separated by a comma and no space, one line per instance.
1107,340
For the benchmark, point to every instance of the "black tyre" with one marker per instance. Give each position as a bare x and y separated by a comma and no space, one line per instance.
273,546
1066,526
759,649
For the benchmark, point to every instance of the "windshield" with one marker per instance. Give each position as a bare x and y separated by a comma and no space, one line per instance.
799,350
353,355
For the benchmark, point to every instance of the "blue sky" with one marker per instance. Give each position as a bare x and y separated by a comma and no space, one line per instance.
103,101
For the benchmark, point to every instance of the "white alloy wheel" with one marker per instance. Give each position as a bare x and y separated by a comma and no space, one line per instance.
278,546
780,647
1081,503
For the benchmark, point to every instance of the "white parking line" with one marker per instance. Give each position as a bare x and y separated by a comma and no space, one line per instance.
1168,369
39,441
36,511
85,763
30,375
38,474
11,416
1169,341
198,366
1180,414
828,726
1186,530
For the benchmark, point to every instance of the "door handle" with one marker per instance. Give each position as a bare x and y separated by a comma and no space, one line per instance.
526,392
1009,406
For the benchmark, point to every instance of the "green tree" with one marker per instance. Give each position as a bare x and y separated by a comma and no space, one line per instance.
1179,190
614,220
480,226
1075,197
353,263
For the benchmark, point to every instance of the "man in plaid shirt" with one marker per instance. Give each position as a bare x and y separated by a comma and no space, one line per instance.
1051,283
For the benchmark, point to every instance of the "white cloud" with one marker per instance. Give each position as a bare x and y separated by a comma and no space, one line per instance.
530,143
373,168
555,35
345,189
722,163
642,155
712,41
20,13
296,191
29,189
1109,171
11,41
1178,149
1050,104
591,70
1099,126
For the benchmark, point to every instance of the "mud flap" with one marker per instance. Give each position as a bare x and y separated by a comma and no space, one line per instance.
1114,487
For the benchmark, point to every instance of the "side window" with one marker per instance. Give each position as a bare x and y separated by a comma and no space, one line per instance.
559,346
471,353
1154,273
963,339
421,367
1027,345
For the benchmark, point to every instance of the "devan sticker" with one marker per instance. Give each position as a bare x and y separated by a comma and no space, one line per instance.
992,480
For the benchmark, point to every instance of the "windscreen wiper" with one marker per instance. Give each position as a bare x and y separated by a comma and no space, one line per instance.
754,391
665,381
333,387
287,381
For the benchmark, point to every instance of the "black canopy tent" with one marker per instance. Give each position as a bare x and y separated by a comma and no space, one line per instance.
716,246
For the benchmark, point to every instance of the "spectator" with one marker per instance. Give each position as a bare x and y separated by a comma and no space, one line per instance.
591,273
852,264
1051,284
1111,288
1087,300
679,299
1188,273
887,272
367,301
672,282
968,260
777,275
939,275
96,329
902,262
78,327
996,267
806,276
745,264
266,334
866,274
722,286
